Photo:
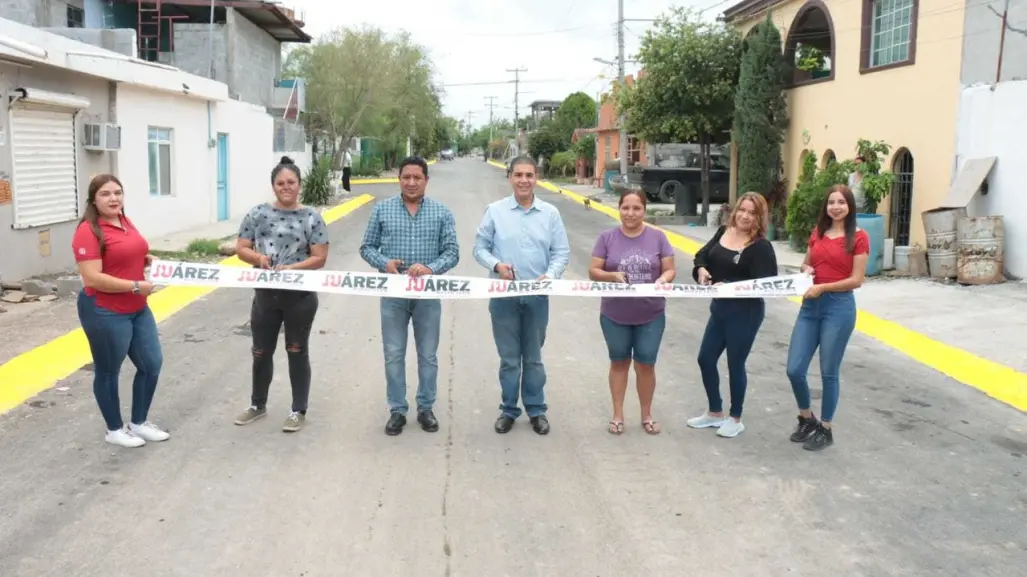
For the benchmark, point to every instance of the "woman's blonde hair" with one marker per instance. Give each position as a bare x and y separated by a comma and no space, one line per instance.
762,212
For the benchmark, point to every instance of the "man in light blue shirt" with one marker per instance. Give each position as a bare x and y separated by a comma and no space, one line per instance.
522,238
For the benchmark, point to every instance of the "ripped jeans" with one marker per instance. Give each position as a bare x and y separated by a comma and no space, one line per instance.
271,309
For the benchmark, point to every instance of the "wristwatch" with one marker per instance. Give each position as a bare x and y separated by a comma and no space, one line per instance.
135,288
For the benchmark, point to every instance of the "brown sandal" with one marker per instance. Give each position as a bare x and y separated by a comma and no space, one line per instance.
651,426
616,427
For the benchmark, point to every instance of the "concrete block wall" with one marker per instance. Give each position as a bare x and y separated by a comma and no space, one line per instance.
122,41
38,13
191,53
254,60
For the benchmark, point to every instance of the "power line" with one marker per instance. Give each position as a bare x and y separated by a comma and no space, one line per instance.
521,34
545,81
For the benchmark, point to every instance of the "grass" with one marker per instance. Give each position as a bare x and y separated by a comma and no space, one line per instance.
198,249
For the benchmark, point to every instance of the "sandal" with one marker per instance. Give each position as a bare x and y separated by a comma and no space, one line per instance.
616,427
651,426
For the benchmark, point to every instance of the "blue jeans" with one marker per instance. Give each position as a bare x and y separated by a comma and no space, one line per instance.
519,329
733,326
826,322
397,315
641,342
113,337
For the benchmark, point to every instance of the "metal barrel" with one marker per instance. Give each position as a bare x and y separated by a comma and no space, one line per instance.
940,230
980,248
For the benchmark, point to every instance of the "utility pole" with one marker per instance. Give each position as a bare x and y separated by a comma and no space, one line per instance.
623,82
492,105
517,104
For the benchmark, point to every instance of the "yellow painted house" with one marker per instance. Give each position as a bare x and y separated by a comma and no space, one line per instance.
890,71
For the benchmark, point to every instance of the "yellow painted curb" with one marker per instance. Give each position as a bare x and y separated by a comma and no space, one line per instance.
30,373
381,180
993,379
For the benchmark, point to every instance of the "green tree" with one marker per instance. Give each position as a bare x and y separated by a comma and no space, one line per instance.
687,91
546,141
761,111
576,111
364,82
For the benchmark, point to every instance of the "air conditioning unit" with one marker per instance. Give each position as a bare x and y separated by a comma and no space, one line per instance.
101,137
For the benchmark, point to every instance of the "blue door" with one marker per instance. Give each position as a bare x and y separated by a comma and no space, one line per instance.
222,177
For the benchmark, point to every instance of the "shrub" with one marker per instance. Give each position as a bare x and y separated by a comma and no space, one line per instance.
563,163
805,202
317,185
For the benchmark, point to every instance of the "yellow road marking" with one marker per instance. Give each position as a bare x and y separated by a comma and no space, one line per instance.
392,180
30,373
993,379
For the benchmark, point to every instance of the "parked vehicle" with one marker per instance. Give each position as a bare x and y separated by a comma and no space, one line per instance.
447,154
661,182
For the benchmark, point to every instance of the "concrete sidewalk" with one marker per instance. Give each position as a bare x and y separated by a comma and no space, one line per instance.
926,314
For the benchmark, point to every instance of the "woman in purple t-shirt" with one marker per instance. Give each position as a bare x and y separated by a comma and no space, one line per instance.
633,327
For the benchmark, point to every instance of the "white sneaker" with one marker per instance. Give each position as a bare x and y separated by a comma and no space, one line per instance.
706,420
124,438
149,432
730,428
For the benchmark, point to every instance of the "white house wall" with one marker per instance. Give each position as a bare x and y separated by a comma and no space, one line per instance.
250,139
26,252
993,122
192,201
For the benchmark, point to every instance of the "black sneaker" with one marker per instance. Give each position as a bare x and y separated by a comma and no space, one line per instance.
805,429
396,423
428,421
821,439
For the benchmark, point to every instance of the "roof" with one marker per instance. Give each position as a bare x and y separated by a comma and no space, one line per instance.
540,103
33,46
748,8
274,19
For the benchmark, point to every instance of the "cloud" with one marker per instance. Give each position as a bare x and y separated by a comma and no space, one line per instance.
474,42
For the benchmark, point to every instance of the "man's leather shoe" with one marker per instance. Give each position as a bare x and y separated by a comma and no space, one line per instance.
396,423
504,423
428,421
540,424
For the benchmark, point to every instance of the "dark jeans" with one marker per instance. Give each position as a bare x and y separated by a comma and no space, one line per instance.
826,322
519,329
113,337
346,171
733,326
271,309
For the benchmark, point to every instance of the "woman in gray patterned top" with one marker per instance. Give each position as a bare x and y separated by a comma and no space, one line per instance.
284,235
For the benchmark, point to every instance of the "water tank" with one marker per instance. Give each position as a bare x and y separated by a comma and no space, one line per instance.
873,224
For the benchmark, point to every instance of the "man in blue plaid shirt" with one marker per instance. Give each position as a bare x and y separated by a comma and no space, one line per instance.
413,235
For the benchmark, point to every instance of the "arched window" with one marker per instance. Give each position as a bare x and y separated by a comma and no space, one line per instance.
809,47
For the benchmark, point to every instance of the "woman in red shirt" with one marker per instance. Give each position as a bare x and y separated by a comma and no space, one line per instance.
112,257
837,260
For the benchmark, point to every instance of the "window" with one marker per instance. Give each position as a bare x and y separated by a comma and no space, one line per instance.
76,17
888,34
159,147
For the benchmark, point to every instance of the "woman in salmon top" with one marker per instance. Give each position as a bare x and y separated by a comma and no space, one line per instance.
112,257
837,260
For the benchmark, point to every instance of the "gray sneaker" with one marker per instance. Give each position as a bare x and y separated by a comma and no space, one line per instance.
294,422
249,415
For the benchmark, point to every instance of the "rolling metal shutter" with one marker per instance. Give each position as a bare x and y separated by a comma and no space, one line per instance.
44,161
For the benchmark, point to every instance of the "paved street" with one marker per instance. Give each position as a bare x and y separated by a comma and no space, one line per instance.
926,476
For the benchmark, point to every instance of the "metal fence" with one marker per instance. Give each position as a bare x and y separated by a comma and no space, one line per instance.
289,136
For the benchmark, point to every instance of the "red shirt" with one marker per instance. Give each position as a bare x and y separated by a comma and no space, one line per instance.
829,259
124,257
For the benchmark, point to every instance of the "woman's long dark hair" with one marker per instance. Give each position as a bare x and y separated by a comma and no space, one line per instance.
825,220
91,215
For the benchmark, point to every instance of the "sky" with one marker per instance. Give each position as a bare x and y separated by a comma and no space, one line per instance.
474,43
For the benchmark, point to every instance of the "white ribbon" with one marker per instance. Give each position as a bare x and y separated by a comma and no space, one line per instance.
175,273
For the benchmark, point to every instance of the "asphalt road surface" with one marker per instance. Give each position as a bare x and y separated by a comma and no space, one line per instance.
926,476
